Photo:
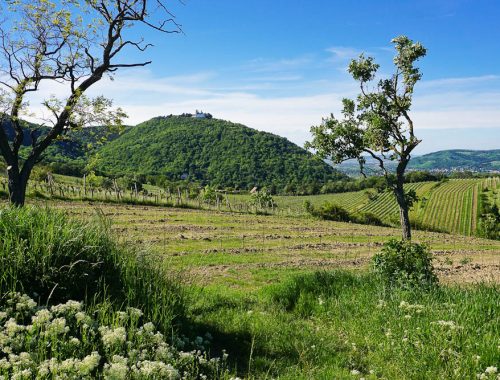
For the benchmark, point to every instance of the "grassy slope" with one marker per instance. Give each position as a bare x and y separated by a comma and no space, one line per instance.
239,267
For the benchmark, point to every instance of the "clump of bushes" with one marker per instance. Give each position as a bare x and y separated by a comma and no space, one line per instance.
65,342
405,264
489,220
334,212
328,211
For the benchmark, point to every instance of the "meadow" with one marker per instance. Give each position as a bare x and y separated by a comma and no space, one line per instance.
276,296
293,298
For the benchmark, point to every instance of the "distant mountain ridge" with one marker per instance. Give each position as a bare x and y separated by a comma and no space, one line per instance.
444,160
458,159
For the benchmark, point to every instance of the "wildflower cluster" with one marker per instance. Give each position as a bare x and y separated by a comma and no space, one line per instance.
64,342
489,373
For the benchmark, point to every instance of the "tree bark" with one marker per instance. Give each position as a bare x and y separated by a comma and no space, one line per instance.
17,192
18,183
404,217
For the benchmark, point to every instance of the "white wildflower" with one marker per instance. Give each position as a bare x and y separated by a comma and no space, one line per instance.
25,374
75,341
12,328
25,303
408,307
4,364
134,313
58,326
116,371
89,363
149,327
447,324
491,370
68,308
112,337
41,317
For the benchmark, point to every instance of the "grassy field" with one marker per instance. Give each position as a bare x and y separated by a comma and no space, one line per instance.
249,250
292,298
240,268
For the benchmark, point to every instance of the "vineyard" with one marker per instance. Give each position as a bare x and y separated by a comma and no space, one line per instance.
452,206
449,206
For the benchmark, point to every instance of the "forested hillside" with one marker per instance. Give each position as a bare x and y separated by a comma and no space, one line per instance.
69,154
213,151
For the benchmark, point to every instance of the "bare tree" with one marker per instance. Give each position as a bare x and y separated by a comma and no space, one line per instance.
74,43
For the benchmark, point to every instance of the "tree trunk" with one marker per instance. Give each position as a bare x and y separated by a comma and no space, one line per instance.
17,189
404,217
18,182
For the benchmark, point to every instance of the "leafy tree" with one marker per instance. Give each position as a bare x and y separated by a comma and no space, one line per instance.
262,199
378,121
72,42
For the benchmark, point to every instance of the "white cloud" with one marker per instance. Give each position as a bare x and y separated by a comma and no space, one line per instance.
342,53
445,103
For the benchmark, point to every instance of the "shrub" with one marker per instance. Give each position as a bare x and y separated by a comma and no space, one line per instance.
368,218
406,264
328,211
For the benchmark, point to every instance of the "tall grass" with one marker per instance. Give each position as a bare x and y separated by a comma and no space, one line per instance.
341,325
54,258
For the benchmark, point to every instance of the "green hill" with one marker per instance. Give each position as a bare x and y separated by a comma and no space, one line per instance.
212,151
458,159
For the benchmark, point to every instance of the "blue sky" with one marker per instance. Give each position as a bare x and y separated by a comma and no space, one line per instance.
280,65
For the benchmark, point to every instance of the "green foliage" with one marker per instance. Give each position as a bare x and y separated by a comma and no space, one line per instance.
406,264
489,220
214,152
376,122
332,211
40,173
328,211
94,180
303,294
211,196
262,199
367,218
